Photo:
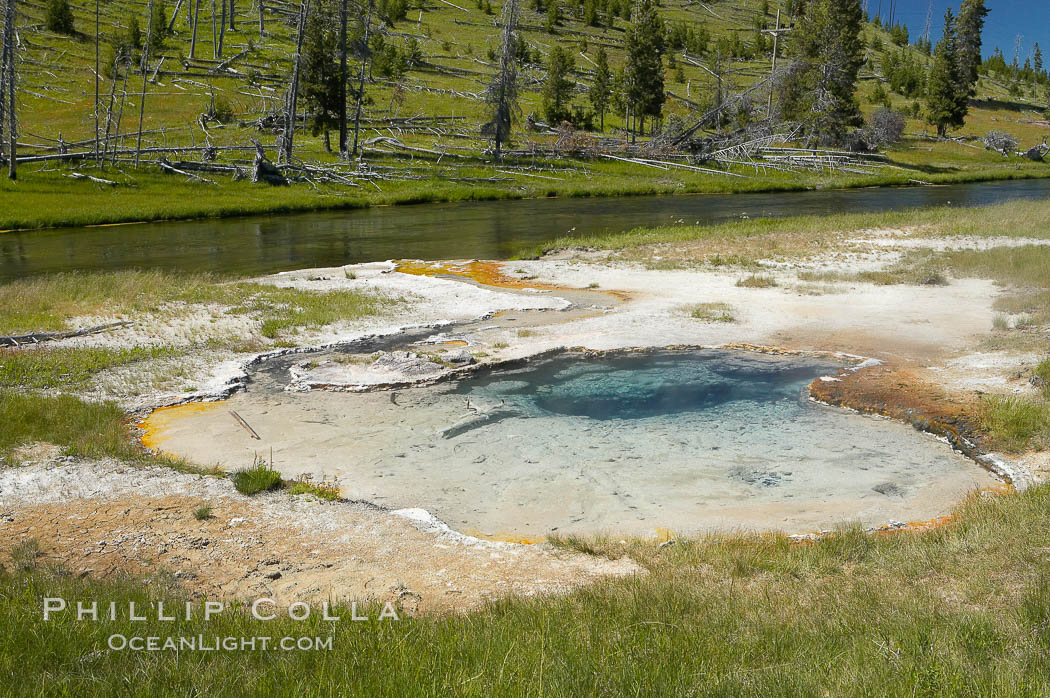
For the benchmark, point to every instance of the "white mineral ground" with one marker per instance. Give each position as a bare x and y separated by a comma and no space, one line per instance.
526,477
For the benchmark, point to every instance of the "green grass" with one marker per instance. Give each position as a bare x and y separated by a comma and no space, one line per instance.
48,303
1027,265
81,428
287,309
1015,423
89,429
257,478
68,368
959,610
203,513
712,312
324,490
28,203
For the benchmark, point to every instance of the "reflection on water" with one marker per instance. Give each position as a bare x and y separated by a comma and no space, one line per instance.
491,230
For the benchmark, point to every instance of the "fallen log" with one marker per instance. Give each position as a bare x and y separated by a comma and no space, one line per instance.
247,427
168,167
96,180
38,337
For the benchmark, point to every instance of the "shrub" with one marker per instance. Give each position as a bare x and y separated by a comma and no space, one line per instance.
878,95
258,478
884,127
1000,141
221,110
203,513
59,17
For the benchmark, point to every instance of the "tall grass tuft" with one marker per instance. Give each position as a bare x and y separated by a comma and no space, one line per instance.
258,478
757,281
1015,422
1042,377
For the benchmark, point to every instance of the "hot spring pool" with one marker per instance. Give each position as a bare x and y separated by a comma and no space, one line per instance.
630,443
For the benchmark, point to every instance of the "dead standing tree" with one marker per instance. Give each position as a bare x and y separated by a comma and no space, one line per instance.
3,77
147,47
343,153
291,101
502,93
7,77
193,34
365,55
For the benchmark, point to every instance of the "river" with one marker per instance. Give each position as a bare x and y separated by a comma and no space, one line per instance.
488,229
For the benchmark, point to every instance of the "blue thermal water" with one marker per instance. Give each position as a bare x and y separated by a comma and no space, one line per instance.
634,386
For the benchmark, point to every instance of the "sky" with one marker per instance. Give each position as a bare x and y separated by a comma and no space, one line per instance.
1006,19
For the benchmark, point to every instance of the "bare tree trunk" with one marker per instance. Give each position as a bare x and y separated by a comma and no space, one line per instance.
214,33
9,61
193,37
3,80
174,16
293,90
97,156
361,77
145,74
342,81
502,93
222,27
262,27
109,110
233,11
120,112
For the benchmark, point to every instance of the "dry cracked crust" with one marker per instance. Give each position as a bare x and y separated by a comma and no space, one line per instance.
274,545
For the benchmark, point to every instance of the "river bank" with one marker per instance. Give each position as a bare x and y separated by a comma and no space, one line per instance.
27,203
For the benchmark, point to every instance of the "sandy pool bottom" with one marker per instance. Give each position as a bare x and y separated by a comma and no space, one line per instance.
631,444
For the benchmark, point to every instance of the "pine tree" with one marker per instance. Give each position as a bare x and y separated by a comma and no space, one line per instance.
553,16
320,78
644,72
590,12
59,17
827,52
601,90
557,89
159,24
968,42
945,87
1037,60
